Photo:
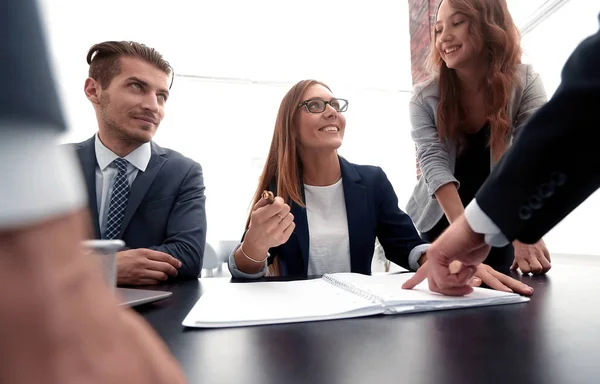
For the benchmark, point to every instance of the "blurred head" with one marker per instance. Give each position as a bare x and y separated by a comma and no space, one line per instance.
128,85
475,34
310,119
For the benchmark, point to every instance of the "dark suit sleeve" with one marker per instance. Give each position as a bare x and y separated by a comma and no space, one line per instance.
554,164
29,95
186,228
39,179
395,230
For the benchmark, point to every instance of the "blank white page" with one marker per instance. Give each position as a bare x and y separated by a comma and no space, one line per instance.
238,304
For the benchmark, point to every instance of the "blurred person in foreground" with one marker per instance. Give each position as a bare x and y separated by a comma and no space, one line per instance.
59,322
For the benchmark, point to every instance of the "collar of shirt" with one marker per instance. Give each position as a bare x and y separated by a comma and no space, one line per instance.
139,157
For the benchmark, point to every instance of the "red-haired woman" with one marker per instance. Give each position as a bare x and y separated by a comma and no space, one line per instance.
466,116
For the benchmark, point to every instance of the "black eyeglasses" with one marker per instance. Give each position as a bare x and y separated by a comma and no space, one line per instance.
319,105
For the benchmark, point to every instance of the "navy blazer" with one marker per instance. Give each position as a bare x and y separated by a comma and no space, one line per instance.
166,207
554,164
372,211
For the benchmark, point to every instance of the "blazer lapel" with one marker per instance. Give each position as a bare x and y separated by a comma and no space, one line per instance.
301,229
87,157
301,232
355,196
142,183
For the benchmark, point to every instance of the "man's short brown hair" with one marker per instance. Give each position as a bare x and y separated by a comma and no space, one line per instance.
105,64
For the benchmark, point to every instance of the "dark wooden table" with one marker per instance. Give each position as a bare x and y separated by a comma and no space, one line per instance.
553,339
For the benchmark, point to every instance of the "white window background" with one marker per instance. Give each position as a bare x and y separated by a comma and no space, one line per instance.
235,60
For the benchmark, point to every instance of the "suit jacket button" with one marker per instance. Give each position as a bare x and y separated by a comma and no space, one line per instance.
546,190
558,178
525,213
536,202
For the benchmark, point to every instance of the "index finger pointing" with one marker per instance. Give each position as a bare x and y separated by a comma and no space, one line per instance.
416,279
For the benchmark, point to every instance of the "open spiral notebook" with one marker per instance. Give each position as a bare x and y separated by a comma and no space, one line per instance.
334,296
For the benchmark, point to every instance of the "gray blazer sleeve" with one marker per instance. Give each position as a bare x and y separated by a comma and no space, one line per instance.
235,272
432,153
533,98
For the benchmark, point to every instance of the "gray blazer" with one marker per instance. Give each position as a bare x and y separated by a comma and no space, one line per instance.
437,158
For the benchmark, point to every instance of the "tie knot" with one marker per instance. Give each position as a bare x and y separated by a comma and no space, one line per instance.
121,164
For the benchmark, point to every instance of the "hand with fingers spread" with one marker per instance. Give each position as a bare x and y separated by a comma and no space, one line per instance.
145,266
493,279
531,258
501,282
271,224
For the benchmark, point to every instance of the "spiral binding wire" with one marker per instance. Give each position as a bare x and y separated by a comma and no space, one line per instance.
354,290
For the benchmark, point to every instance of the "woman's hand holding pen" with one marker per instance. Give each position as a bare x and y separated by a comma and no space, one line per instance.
271,224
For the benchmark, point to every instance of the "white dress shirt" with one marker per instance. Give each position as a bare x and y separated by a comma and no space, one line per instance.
40,178
482,224
138,160
329,242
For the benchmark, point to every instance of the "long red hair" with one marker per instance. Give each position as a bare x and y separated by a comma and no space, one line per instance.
490,24
283,163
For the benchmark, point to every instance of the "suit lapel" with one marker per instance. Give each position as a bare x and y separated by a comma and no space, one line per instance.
355,196
301,231
87,157
142,183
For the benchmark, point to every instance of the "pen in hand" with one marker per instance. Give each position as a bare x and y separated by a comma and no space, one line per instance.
268,196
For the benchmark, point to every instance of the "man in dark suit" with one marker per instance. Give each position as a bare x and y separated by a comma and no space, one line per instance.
550,170
59,322
150,197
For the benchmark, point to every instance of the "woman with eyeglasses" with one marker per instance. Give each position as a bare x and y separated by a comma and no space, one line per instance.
466,116
328,211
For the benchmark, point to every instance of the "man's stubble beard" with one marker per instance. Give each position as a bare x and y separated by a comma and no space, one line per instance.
112,127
